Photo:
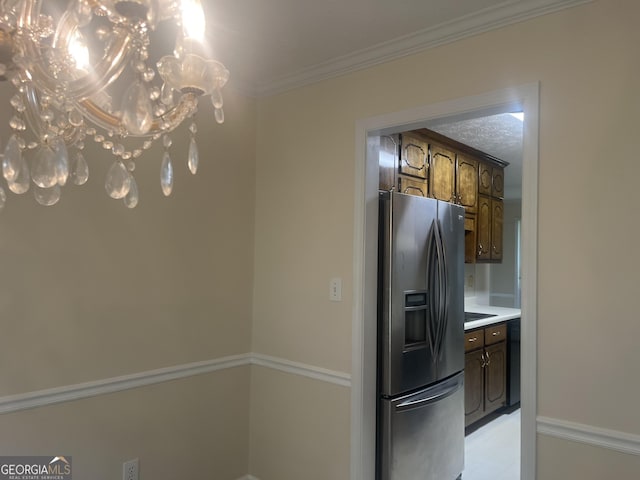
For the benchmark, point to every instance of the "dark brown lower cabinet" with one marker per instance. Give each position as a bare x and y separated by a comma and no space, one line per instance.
495,377
473,386
485,374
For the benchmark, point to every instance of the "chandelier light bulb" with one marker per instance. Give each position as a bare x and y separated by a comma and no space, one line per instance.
193,21
79,51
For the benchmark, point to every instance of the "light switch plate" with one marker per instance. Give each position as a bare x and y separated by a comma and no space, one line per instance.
335,289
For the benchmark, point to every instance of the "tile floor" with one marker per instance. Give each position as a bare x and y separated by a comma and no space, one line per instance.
492,452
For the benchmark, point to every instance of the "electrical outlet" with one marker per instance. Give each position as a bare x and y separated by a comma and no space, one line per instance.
130,470
470,280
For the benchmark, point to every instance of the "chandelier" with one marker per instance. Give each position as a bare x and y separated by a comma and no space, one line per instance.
121,73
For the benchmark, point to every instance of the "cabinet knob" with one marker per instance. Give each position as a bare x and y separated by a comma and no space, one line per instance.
473,339
495,334
488,358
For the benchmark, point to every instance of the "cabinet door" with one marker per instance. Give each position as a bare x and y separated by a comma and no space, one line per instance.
483,229
412,186
484,178
473,386
467,183
495,376
497,182
442,175
497,218
470,239
388,161
414,155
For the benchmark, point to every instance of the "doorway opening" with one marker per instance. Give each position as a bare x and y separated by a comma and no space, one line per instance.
492,413
363,418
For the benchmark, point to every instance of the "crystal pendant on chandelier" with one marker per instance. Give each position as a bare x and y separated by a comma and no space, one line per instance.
166,95
194,157
61,161
166,174
131,198
12,159
21,184
216,98
118,180
79,171
3,198
47,196
219,115
44,172
137,110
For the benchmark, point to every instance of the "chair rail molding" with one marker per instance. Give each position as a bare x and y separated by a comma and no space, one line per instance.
67,393
590,435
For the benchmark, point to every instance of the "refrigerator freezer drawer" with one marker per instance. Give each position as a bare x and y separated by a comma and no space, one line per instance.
421,435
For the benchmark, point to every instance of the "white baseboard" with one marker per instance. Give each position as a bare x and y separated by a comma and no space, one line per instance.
590,435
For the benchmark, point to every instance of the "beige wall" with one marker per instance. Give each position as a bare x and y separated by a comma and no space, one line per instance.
195,427
564,459
90,290
299,427
585,59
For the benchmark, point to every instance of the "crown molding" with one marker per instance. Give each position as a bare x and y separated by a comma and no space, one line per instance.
483,21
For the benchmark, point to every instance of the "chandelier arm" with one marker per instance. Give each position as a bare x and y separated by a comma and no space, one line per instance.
32,111
168,122
29,13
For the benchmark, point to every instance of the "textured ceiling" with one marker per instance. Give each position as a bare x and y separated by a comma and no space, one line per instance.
498,135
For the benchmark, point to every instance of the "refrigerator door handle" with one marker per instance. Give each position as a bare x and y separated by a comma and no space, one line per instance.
437,282
433,310
444,289
430,397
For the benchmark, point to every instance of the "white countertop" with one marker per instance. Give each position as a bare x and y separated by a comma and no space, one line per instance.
501,314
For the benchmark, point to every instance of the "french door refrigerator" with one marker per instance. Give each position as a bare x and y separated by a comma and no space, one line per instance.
420,425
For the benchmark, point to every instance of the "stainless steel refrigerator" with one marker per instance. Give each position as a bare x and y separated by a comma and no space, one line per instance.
420,427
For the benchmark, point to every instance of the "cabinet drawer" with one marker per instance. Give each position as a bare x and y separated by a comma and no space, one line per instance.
473,340
495,333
